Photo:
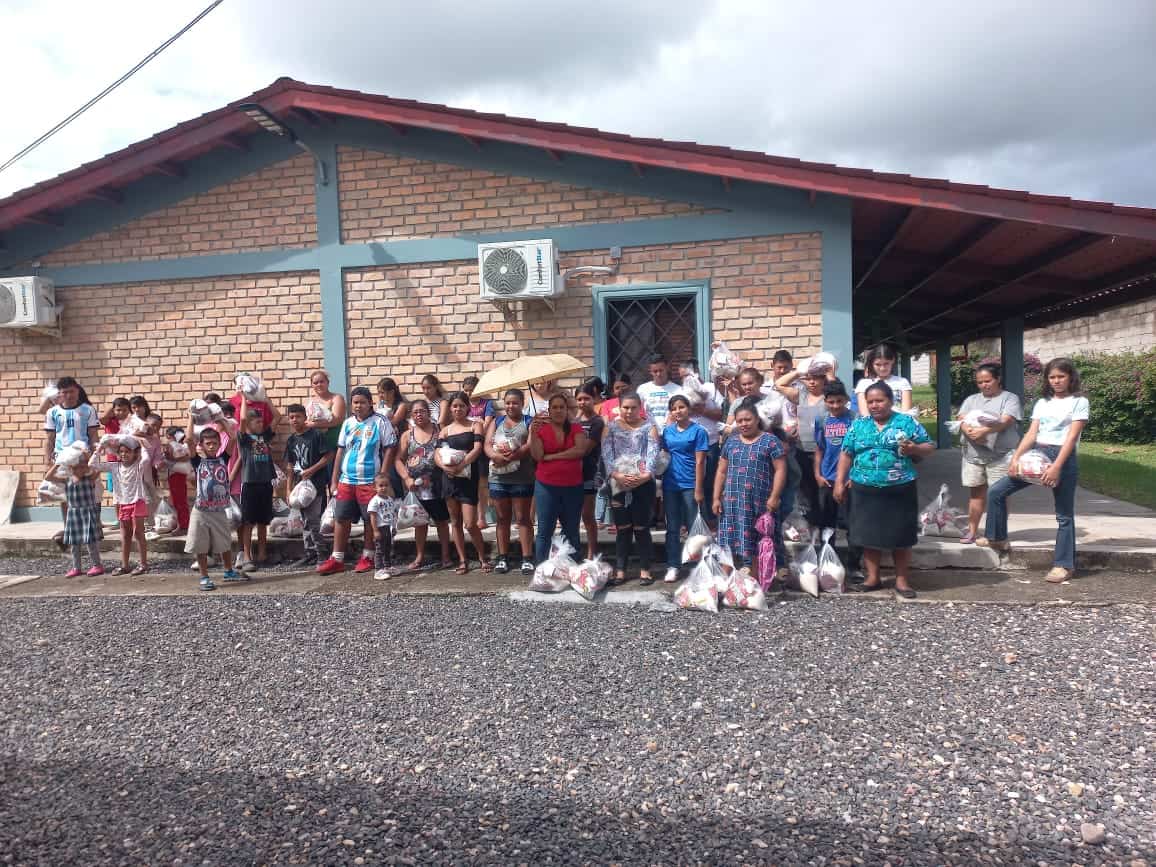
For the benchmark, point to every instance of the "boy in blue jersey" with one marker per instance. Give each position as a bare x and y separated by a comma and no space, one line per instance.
367,443
69,419
830,428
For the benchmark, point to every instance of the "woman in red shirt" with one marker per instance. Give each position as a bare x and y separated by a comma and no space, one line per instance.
558,445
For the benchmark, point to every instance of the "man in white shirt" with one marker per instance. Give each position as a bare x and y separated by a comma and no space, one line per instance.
710,415
656,394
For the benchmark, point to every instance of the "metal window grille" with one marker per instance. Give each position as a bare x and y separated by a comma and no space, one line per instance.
638,327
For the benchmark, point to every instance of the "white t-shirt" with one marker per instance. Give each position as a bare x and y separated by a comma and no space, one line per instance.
656,400
385,508
714,400
1056,415
898,385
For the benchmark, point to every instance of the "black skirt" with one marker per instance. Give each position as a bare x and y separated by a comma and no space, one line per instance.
884,518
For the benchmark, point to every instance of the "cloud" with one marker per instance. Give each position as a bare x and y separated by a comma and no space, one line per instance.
1054,97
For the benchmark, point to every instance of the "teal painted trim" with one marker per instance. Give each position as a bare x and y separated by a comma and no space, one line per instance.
333,331
1012,355
838,319
943,438
186,268
28,242
601,293
26,514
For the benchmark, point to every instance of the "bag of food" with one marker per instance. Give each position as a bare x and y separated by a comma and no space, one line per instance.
51,392
50,492
553,574
411,513
279,527
693,388
590,576
73,455
661,463
233,513
1032,466
503,443
165,519
766,563
200,412
294,524
721,563
805,570
699,592
302,495
942,519
250,385
983,418
770,409
697,539
627,465
278,476
831,571
723,362
743,591
795,527
823,364
451,457
329,517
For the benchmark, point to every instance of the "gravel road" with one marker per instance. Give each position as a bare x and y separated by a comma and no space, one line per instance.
369,730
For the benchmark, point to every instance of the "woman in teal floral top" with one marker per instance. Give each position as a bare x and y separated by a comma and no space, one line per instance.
877,453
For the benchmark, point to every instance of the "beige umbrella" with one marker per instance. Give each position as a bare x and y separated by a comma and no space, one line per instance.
527,370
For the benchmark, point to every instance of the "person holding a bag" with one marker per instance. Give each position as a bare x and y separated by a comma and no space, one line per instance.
463,437
1058,420
876,457
592,424
684,480
507,441
420,475
987,447
307,458
557,445
631,439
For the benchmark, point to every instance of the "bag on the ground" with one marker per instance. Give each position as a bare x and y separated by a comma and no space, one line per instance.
699,592
411,513
1033,465
697,539
982,418
279,527
280,507
831,570
233,513
721,563
165,519
553,574
743,591
765,558
805,570
795,527
940,518
50,492
723,362
329,517
590,576
302,495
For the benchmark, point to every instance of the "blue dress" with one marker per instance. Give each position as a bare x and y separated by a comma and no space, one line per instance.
746,490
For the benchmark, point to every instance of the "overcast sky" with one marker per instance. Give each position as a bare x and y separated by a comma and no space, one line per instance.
1053,96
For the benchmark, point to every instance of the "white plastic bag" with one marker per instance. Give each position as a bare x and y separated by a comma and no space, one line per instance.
554,574
233,513
278,477
329,517
50,492
697,540
411,513
693,388
699,592
451,457
590,576
302,495
805,571
982,418
279,527
743,591
661,463
280,507
942,519
250,385
501,442
630,465
200,411
770,409
795,527
165,519
823,364
831,571
294,524
72,455
723,362
1032,466
51,392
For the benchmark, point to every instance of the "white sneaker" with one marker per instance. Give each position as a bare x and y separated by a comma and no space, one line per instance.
382,575
671,575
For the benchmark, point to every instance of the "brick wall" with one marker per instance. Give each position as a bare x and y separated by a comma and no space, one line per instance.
170,342
263,211
408,320
1131,328
384,197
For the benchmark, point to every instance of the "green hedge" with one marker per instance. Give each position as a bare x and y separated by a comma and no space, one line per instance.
1120,388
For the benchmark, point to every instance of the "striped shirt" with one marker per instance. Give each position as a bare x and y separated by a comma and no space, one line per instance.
365,442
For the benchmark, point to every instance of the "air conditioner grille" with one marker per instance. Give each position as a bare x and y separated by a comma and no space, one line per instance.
7,304
504,271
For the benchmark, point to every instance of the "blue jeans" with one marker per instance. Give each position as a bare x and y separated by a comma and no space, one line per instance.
680,512
554,503
708,477
1064,494
601,507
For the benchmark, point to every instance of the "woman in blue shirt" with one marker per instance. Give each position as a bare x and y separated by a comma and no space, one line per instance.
682,485
877,453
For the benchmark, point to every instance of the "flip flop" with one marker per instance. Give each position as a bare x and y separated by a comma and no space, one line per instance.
139,570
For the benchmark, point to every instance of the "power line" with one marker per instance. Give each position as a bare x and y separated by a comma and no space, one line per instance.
31,147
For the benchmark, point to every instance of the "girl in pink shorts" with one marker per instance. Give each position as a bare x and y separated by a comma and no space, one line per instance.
129,494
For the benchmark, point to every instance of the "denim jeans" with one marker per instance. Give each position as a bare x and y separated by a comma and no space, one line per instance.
554,503
601,507
1064,494
681,510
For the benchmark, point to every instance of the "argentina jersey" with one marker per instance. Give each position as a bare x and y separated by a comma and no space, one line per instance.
364,442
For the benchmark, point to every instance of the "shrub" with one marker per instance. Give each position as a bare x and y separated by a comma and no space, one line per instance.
963,377
1122,392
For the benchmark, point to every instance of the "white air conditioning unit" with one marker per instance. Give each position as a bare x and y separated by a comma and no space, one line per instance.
27,302
514,270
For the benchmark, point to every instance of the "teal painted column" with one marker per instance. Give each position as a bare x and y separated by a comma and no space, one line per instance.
838,325
943,394
327,199
1012,355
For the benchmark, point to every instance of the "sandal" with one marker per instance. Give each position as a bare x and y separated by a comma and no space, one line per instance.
463,569
1059,575
415,566
140,570
119,570
984,542
487,566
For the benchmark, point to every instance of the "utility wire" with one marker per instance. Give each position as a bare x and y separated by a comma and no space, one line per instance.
27,150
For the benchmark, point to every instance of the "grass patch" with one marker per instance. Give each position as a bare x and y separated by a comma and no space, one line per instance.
1126,472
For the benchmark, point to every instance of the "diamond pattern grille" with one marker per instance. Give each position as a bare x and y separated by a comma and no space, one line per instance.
638,327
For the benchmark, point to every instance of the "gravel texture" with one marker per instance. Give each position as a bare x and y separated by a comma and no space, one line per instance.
59,565
366,730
